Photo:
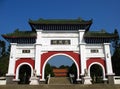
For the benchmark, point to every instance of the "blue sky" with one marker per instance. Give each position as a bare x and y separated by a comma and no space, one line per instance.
16,13
60,60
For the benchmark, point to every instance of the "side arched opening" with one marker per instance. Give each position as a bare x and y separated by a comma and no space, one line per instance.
24,74
96,73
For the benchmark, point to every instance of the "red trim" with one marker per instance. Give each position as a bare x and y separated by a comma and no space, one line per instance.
22,60
45,56
99,60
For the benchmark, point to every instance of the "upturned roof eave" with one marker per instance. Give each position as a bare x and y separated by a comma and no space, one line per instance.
59,21
103,37
12,37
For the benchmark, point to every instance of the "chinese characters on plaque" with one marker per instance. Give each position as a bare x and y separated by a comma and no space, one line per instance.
60,42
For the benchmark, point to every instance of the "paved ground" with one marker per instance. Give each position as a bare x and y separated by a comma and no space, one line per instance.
77,86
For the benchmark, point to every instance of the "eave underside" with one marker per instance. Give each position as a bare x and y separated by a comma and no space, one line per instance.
99,37
98,40
60,26
21,40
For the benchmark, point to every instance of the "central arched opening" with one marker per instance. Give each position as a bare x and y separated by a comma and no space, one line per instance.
96,73
61,66
24,74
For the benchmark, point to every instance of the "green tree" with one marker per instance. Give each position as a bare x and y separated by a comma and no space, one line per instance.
116,54
116,61
63,67
116,41
2,48
73,69
48,70
4,59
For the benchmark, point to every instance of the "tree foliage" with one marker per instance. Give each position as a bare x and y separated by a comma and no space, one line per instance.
2,48
73,69
116,41
48,70
116,55
4,58
116,61
63,67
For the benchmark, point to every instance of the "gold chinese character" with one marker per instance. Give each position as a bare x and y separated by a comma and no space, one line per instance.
66,42
54,42
60,42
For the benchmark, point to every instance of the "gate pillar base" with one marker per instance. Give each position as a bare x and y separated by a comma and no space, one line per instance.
42,81
110,78
105,81
87,80
34,81
10,79
79,81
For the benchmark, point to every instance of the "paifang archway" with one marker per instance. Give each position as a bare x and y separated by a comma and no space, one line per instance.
75,57
51,37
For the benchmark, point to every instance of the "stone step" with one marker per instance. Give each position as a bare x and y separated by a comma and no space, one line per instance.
59,80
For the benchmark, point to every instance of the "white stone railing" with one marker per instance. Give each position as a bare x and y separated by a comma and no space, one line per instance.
48,79
71,78
2,81
117,79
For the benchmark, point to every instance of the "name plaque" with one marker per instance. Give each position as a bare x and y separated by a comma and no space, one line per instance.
60,42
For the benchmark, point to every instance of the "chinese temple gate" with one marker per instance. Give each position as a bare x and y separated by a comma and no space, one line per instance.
53,37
